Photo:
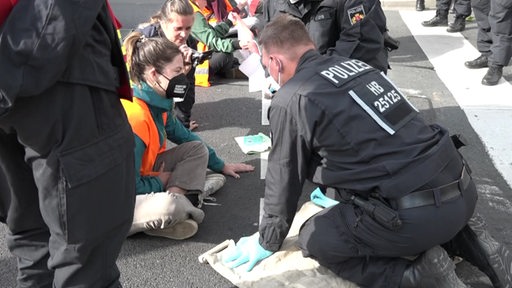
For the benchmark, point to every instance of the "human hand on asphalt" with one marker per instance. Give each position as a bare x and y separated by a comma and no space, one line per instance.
232,169
247,250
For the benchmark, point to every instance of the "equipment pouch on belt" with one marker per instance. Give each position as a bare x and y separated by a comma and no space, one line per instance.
375,208
379,212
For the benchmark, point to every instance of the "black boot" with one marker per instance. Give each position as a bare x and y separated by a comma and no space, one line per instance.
438,20
480,62
420,5
458,25
475,245
493,75
432,269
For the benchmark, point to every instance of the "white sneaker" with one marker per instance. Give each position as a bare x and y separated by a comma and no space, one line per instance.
179,231
213,183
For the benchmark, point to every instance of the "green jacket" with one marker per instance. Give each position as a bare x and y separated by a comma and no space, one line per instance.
175,131
214,36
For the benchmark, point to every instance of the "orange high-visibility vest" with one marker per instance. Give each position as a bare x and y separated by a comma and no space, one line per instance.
202,70
145,128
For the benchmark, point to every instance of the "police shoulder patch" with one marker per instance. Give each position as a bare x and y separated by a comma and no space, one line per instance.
342,70
384,102
323,15
356,14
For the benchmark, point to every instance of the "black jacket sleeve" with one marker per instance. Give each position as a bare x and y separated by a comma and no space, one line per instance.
36,42
286,174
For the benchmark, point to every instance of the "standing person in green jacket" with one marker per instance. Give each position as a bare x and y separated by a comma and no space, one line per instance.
157,71
215,36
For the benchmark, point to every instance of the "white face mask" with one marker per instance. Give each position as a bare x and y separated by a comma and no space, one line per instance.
273,84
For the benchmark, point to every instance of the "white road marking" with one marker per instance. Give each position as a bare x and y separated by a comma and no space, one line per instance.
493,196
265,104
264,164
488,109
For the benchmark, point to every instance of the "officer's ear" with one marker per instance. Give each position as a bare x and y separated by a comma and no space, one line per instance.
280,64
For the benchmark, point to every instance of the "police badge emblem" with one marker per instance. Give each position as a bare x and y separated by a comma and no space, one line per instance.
356,14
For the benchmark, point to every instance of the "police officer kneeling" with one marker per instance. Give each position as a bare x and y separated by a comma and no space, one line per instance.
343,125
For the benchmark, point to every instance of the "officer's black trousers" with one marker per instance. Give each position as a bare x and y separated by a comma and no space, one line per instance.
355,247
484,39
462,7
494,21
67,186
221,62
500,20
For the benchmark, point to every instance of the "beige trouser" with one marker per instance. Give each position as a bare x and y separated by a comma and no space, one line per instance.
187,163
162,209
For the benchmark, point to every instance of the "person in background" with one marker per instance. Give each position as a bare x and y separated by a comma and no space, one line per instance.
212,34
494,38
174,21
420,5
344,126
351,28
66,148
221,9
157,72
462,10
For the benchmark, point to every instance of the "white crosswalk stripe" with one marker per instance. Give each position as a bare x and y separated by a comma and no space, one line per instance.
488,109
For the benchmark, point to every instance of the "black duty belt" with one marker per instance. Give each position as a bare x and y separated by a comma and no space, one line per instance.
435,195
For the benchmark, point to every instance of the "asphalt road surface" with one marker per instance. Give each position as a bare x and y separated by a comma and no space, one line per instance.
227,110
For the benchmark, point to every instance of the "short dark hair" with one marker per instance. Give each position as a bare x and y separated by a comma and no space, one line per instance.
284,33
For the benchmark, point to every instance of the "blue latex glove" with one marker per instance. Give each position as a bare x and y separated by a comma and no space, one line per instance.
247,250
320,199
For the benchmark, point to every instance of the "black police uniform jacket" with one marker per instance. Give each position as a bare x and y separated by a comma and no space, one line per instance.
43,42
350,28
340,123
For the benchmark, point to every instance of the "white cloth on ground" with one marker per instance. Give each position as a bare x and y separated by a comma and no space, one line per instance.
285,268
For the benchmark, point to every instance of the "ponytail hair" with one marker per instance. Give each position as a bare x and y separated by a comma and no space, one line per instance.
143,52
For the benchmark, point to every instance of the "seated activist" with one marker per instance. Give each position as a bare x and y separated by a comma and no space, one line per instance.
174,22
221,9
344,126
214,37
156,68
